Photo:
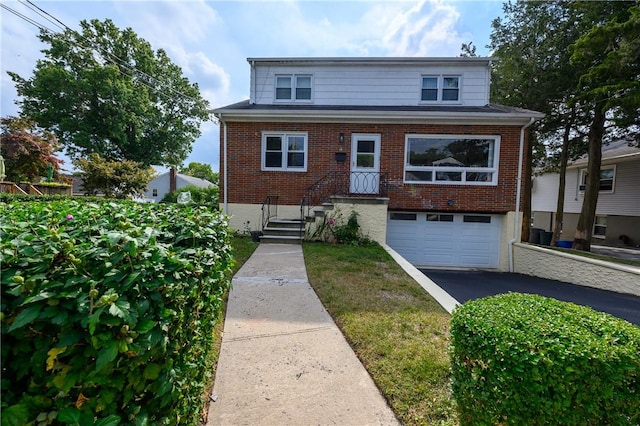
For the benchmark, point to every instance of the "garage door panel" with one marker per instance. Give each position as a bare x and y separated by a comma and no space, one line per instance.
475,261
467,241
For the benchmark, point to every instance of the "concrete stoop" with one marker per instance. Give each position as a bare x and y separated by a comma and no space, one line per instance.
283,231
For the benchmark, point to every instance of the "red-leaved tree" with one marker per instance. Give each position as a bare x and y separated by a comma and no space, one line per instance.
28,151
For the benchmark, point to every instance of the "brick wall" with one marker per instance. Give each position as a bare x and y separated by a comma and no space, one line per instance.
248,184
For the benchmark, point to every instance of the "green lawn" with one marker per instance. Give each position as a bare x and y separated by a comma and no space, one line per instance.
399,332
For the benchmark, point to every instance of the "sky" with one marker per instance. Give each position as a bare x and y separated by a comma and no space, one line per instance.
211,40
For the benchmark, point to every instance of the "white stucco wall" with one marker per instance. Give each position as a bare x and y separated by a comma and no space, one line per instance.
240,214
372,218
555,265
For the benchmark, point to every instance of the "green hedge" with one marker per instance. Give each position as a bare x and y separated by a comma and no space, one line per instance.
108,310
524,359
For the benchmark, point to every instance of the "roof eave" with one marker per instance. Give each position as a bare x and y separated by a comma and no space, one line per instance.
370,60
347,116
578,164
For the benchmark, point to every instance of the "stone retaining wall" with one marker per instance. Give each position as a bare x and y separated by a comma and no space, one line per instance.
551,264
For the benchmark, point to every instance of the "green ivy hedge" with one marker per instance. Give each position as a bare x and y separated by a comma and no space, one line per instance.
108,311
524,359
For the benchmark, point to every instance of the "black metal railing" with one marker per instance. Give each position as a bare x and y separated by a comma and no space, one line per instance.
269,209
343,183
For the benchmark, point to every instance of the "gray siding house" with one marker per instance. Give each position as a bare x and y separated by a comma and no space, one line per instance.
171,181
618,210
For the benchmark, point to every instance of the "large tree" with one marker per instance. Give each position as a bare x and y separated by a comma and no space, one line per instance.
106,91
28,152
533,71
609,92
537,69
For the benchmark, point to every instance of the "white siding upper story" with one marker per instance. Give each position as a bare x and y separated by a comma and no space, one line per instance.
373,81
622,200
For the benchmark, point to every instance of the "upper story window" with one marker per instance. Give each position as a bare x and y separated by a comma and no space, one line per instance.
293,87
607,179
284,151
451,159
440,89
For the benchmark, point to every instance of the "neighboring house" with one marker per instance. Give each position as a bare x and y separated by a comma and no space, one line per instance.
412,144
618,209
172,181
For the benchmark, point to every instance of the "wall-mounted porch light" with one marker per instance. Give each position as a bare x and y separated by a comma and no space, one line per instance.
341,138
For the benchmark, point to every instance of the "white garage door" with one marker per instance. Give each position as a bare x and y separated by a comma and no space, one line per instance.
443,239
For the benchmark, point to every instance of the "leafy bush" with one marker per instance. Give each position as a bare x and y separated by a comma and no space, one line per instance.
108,310
524,359
334,229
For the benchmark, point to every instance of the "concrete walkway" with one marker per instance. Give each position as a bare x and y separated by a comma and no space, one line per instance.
283,360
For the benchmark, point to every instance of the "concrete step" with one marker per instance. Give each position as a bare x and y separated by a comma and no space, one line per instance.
281,239
295,232
286,223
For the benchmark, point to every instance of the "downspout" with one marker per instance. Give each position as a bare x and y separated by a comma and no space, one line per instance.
516,226
252,90
225,202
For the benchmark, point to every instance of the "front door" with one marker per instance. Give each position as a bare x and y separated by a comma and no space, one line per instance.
365,163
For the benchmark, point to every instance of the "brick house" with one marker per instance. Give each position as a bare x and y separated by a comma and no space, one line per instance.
412,144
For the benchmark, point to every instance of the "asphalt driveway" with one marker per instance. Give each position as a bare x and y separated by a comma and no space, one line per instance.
466,285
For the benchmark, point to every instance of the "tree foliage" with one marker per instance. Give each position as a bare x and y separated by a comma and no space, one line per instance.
608,56
106,91
576,62
27,150
201,171
119,179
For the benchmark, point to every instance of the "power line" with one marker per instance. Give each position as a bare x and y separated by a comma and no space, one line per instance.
26,18
40,12
108,57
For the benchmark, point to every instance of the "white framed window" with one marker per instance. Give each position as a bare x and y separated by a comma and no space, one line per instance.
607,179
284,151
451,159
155,192
440,88
293,87
600,227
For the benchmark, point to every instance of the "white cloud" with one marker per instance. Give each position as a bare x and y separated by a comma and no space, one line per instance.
164,23
426,29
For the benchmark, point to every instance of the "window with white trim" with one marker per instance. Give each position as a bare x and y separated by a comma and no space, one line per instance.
607,179
451,159
600,227
444,88
284,151
293,87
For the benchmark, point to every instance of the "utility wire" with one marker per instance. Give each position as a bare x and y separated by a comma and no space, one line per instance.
39,11
117,60
26,18
107,56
